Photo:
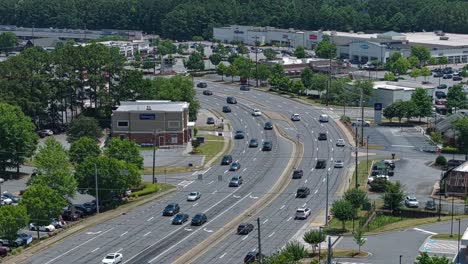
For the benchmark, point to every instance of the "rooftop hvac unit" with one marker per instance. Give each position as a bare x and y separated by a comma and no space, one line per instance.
148,107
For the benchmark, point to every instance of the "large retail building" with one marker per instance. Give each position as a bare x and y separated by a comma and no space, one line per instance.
356,46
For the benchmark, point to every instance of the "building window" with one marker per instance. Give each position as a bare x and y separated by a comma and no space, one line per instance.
122,123
174,138
173,124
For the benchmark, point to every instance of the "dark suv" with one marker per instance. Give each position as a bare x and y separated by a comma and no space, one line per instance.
244,228
268,125
321,164
227,159
322,136
302,192
202,85
298,173
171,209
231,100
267,146
199,219
226,109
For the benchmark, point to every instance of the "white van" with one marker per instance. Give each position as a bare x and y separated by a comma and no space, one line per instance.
323,118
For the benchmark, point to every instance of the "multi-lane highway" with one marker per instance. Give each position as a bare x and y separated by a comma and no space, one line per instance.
145,236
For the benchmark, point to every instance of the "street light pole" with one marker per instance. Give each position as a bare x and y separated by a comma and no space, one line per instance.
256,59
154,155
367,154
451,224
400,258
440,194
356,159
97,190
320,229
326,205
459,238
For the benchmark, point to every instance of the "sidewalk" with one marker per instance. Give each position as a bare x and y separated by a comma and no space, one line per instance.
317,222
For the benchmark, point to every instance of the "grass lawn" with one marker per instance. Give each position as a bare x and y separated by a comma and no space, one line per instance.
363,174
338,253
146,148
167,170
411,222
206,128
210,149
211,137
447,236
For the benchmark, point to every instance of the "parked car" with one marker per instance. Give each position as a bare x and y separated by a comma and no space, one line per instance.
235,166
360,122
411,201
112,258
210,121
267,145
440,95
442,86
440,101
25,239
199,219
256,112
68,215
231,100
193,196
268,125
298,173
235,181
13,198
322,136
180,219
321,164
244,88
302,192
86,211
339,164
239,134
302,213
438,75
226,109
253,143
5,200
340,142
457,78
227,159
18,242
171,209
447,76
207,92
390,163
57,223
4,251
244,228
47,228
202,85
296,117
430,205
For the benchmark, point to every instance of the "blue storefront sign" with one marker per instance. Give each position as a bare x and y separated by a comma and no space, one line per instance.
364,46
378,106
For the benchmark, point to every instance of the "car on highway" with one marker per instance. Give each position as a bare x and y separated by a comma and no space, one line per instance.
256,112
112,258
226,109
227,159
244,228
210,121
268,125
360,122
239,134
339,164
302,192
411,201
202,85
322,136
296,117
193,196
231,100
207,92
298,173
340,142
171,209
235,166
46,228
430,205
235,181
13,198
180,219
267,145
244,87
199,219
253,143
321,164
323,118
302,213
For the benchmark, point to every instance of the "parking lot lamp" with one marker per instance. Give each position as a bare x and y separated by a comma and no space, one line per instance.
400,258
459,238
367,154
440,194
451,224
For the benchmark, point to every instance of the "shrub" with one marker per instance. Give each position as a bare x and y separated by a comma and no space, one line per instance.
195,132
149,188
346,119
195,143
450,150
441,161
295,250
378,185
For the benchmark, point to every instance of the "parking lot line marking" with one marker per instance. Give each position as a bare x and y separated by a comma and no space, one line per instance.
222,256
424,231
316,191
265,221
226,171
124,233
289,219
244,169
254,159
324,179
271,234
210,182
403,146
119,250
282,206
87,241
151,218
305,181
304,205
312,169
147,233
195,204
214,192
245,237
94,250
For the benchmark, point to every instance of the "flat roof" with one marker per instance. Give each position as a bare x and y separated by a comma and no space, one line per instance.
158,105
462,168
431,38
407,86
464,239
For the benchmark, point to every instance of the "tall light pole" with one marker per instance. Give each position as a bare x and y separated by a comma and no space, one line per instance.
97,190
326,204
451,222
256,59
459,238
400,258
154,155
367,154
320,229
356,158
440,194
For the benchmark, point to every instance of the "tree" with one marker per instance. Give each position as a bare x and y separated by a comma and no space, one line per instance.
244,67
182,49
270,54
232,71
314,238
215,59
83,148
295,250
325,49
343,210
393,195
242,49
389,76
8,41
264,72
359,238
425,72
307,77
319,82
456,97
18,137
461,125
54,169
443,60
125,150
397,64
413,61
433,61
200,49
389,112
114,176
356,197
379,184
437,137
422,53
42,203
12,219
423,103
232,57
424,258
195,62
222,69
166,47
298,87
84,126
415,73
300,52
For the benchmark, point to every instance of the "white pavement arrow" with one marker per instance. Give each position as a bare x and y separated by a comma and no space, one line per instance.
253,197
207,230
93,233
236,196
188,229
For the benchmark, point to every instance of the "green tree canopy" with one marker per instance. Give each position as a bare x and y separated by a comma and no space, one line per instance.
84,126
456,97
300,52
264,72
423,103
461,125
221,69
326,49
413,61
422,53
389,76
83,148
393,195
195,62
359,238
343,210
443,60
12,220
244,66
314,238
356,197
307,77
42,203
415,73
319,82
270,53
424,258
215,58
8,41
125,150
166,47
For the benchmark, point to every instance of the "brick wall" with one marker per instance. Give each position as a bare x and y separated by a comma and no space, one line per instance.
161,138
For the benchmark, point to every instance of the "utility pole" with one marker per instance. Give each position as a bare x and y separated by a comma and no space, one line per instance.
362,117
458,244
440,194
260,258
329,79
329,253
451,224
367,154
97,191
326,205
356,158
256,59
154,155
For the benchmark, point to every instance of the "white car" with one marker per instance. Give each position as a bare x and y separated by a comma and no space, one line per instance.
112,258
340,142
302,213
360,122
256,112
372,178
323,118
47,228
411,201
339,164
193,196
296,117
5,200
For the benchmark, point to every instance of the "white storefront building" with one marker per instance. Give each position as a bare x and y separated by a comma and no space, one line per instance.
356,46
